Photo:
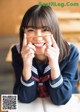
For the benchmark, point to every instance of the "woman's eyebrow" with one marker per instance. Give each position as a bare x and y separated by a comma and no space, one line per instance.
29,27
45,27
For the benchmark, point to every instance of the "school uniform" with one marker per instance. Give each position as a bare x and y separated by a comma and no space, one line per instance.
40,84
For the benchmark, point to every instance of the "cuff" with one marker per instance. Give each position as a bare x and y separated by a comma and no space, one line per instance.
57,82
27,83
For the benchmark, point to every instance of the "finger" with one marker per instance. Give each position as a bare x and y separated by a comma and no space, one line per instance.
47,49
25,40
27,52
30,45
47,45
25,48
53,41
31,51
31,55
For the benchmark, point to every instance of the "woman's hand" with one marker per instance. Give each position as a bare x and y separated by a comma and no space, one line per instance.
52,52
27,53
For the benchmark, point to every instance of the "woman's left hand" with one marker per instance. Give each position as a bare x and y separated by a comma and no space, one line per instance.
52,52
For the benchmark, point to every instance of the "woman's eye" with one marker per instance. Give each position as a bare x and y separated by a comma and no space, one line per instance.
45,29
30,30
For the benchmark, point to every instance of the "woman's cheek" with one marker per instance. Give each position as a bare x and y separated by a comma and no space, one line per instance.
29,39
48,40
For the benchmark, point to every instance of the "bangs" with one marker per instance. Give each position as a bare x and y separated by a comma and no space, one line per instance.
39,21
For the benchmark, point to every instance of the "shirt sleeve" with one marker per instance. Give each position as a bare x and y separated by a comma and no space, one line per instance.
26,90
60,89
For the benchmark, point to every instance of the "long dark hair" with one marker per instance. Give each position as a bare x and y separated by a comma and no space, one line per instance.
46,17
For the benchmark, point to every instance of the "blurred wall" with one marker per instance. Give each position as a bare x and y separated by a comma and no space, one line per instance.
11,12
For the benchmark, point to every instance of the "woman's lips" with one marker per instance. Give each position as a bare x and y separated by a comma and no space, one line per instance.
39,45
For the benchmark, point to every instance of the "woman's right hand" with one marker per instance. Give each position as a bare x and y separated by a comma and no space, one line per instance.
28,53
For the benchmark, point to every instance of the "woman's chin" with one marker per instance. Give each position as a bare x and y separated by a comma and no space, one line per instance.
40,57
39,52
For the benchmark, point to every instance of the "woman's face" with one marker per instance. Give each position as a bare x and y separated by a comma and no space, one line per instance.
39,38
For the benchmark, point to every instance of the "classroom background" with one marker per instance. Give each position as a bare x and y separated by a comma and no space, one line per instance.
11,13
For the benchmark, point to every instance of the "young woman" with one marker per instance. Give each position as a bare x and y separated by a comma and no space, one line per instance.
44,63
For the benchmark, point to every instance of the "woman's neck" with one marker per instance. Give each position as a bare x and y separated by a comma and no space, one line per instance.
41,57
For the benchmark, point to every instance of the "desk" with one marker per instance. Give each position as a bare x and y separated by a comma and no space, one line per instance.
72,106
45,105
35,106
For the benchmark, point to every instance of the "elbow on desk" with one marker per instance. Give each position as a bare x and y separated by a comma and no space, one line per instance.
26,100
61,101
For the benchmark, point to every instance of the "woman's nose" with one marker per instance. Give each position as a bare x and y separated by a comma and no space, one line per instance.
38,32
38,35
